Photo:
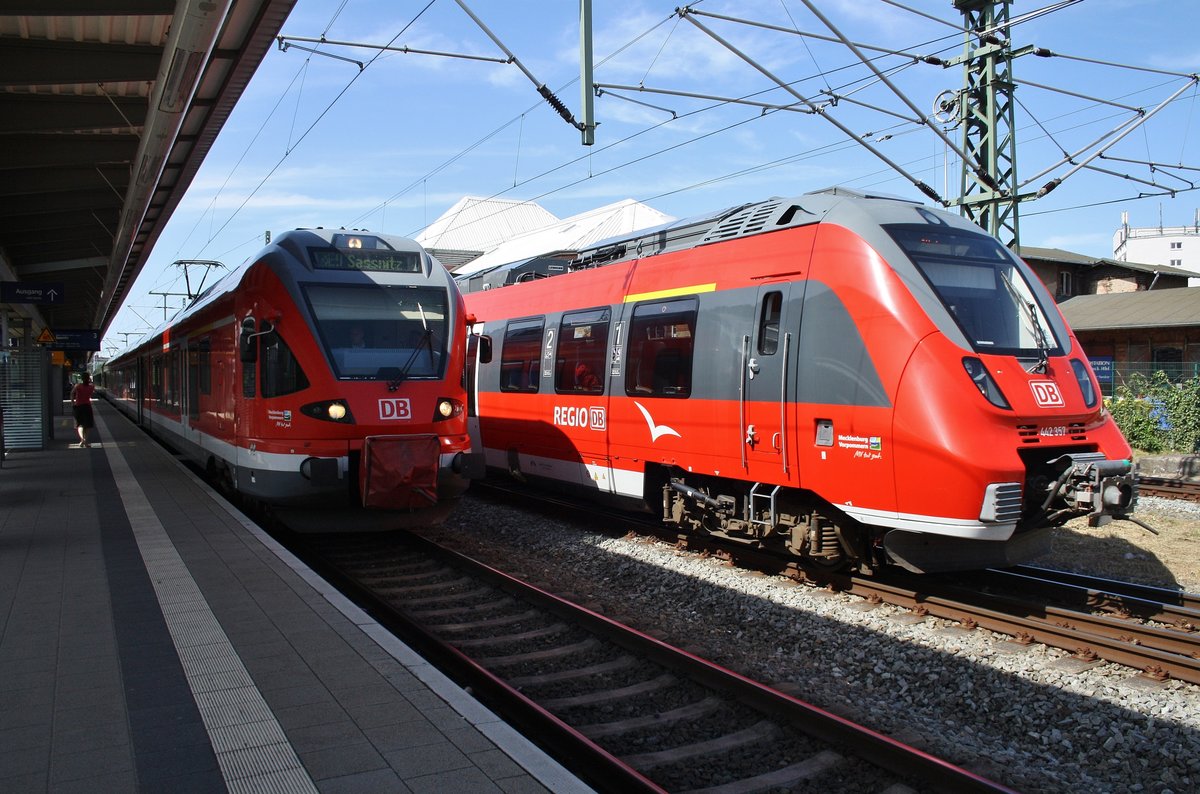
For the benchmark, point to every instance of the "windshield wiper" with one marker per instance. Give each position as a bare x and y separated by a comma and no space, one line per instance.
425,341
1029,310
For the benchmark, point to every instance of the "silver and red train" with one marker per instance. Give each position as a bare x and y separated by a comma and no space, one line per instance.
859,380
327,371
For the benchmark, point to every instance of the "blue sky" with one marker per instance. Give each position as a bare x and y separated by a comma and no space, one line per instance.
317,142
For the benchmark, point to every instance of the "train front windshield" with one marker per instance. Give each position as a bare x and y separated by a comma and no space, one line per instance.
980,284
381,332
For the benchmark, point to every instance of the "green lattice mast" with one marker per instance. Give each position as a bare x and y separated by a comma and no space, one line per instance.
988,195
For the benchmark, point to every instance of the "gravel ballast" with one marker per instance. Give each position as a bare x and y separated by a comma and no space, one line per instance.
1007,712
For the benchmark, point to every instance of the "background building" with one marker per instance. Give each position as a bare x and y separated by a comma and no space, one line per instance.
1138,332
1067,274
1176,246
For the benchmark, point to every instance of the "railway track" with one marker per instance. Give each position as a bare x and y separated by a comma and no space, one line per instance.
1169,488
1153,631
624,710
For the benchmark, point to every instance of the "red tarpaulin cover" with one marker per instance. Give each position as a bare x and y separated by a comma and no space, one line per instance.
399,472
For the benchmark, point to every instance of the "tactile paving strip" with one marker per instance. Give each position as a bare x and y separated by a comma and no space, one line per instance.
251,748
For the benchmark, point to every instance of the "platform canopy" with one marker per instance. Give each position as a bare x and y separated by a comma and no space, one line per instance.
107,109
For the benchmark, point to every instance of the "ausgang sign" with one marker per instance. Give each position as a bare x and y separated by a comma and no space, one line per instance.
31,292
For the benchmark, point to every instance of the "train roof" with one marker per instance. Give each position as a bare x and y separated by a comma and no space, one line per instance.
529,269
295,241
840,204
759,217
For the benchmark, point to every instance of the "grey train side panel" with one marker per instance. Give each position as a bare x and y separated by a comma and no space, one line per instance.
837,369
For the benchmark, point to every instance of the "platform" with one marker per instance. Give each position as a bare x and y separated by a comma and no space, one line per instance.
154,639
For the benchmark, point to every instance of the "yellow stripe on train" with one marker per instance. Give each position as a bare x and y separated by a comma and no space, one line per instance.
671,293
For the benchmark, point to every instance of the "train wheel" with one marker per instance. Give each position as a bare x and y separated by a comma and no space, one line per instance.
824,545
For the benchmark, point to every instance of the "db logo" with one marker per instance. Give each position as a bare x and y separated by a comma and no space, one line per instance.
1046,394
395,408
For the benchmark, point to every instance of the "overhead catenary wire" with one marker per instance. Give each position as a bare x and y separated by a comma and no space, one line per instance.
1120,133
921,186
317,120
980,173
425,179
542,89
957,28
476,144
577,159
291,148
488,136
809,35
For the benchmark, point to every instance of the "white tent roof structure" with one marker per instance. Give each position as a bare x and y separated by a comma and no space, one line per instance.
505,231
480,224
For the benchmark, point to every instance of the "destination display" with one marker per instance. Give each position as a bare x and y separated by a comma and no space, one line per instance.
366,259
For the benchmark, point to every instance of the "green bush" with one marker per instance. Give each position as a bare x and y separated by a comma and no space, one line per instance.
1158,415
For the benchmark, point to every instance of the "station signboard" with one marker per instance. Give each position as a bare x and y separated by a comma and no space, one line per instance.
31,292
74,339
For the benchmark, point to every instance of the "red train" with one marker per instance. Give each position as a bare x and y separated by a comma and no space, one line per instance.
326,371
860,380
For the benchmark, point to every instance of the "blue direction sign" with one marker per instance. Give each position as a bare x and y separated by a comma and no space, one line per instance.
31,292
1103,367
75,339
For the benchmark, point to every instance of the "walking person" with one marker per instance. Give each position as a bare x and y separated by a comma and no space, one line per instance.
81,406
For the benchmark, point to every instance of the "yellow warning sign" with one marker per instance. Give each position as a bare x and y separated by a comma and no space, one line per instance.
46,337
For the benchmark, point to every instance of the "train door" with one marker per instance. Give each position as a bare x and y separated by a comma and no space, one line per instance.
768,356
579,414
190,410
478,353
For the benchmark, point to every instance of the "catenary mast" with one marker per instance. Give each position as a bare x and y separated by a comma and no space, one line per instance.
986,114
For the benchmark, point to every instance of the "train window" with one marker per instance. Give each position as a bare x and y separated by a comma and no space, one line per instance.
381,332
982,287
199,375
520,355
768,323
661,341
281,373
582,352
205,351
156,380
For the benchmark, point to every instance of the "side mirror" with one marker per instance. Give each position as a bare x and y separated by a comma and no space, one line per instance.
485,349
247,343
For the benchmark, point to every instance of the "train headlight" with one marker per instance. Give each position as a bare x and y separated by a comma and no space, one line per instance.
329,411
1086,387
983,381
447,408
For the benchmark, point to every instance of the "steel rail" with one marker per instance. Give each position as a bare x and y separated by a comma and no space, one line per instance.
603,770
1112,639
592,763
1169,488
882,750
1147,602
1107,638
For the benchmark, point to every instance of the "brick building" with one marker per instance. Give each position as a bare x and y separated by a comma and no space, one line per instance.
1067,274
1143,331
